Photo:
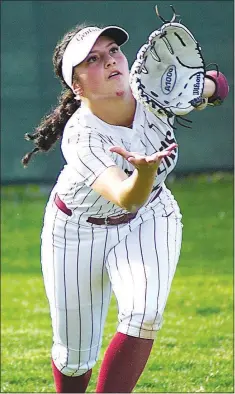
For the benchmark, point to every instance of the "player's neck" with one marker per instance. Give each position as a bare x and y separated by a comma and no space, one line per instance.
118,112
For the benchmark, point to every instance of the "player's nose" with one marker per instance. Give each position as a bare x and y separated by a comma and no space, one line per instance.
110,61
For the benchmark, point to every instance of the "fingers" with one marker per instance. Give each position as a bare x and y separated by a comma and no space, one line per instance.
137,159
167,151
159,155
125,153
171,147
121,151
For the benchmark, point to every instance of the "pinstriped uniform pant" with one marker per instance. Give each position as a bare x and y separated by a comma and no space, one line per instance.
81,264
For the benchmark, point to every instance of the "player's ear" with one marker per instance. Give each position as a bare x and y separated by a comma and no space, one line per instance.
77,90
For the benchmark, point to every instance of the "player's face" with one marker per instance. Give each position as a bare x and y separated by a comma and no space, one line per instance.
104,73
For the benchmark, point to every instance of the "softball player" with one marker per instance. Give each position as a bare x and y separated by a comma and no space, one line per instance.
110,222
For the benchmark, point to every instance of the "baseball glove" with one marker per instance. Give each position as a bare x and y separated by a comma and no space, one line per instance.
168,73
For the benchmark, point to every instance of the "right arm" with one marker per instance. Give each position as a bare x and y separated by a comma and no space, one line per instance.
130,193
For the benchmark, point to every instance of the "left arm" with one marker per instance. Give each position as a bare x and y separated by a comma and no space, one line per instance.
215,90
208,91
209,88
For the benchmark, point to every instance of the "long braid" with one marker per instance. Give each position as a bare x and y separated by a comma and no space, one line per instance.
51,127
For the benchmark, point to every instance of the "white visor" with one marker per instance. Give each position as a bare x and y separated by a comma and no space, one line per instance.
82,43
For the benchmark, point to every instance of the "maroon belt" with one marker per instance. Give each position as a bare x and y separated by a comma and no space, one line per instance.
112,220
61,205
109,221
120,219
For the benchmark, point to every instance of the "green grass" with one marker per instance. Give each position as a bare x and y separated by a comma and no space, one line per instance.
193,351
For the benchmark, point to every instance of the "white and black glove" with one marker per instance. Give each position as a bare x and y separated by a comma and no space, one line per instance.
169,71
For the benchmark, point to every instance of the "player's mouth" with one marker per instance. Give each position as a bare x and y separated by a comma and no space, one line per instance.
114,74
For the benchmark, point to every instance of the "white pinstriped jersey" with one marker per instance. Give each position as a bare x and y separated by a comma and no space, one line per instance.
85,146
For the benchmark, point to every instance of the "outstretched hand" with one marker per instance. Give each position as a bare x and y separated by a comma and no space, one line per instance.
143,162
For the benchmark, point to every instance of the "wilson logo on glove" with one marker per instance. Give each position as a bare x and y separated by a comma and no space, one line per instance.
196,86
168,73
169,79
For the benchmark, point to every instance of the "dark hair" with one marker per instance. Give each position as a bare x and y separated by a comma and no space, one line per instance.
52,125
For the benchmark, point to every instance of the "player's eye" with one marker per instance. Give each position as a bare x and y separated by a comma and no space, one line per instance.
92,59
114,49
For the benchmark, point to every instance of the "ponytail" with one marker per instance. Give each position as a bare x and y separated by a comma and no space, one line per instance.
51,127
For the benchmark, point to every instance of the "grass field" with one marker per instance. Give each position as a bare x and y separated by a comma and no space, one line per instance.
193,351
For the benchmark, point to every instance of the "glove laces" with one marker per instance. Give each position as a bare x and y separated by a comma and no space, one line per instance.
165,20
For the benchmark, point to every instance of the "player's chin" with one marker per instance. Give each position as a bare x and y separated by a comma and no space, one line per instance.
121,89
120,92
118,89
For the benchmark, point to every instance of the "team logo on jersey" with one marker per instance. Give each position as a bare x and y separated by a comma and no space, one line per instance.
168,79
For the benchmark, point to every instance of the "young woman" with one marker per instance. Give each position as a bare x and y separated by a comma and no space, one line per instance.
110,222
